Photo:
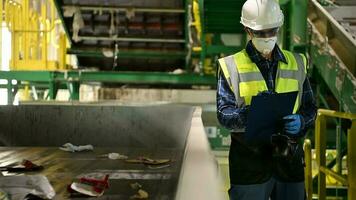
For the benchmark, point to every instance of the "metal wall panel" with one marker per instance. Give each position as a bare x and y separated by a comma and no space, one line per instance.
164,126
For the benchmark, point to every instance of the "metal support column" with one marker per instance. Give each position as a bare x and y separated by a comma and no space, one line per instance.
351,154
10,98
202,36
44,54
74,90
1,10
338,147
52,92
187,37
308,169
298,25
320,149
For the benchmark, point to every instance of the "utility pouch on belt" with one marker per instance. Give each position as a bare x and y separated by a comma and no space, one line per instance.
283,146
288,158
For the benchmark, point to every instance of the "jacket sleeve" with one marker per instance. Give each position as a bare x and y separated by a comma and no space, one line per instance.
308,107
229,115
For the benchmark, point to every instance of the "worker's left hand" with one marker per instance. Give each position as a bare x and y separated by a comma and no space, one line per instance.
293,123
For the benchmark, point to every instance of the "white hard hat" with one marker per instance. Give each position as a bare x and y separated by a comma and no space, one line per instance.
261,14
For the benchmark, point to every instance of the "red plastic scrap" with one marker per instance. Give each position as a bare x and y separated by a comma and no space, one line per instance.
26,166
98,184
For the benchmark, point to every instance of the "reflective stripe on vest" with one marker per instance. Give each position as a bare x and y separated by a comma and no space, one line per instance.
246,80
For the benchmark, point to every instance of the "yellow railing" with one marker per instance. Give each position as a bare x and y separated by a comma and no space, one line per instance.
34,26
308,169
320,151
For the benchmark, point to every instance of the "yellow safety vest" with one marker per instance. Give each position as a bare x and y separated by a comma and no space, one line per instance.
245,79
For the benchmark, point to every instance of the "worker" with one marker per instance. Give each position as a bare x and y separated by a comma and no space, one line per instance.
256,173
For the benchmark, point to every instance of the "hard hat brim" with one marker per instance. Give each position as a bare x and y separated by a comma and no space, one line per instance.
261,27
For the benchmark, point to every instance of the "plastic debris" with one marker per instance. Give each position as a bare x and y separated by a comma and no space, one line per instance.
72,148
18,187
178,71
69,11
115,156
78,23
149,161
89,186
136,186
26,166
108,53
141,194
158,166
130,13
85,189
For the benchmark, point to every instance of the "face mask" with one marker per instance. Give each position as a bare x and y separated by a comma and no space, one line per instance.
264,45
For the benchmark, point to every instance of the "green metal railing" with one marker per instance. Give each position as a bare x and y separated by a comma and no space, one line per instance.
73,79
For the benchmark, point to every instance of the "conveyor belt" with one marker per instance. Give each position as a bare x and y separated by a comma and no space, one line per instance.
61,168
158,132
346,16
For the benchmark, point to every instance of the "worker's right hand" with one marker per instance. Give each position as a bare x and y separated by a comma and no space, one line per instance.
293,123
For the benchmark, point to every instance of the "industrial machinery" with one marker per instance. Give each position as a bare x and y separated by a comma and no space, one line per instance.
175,44
171,43
127,35
332,47
332,50
163,44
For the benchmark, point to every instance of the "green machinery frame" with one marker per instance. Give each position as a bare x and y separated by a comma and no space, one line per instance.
217,18
53,80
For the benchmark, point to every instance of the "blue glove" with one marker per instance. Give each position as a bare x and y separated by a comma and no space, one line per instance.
293,124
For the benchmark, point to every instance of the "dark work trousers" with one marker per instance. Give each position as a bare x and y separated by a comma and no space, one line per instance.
272,189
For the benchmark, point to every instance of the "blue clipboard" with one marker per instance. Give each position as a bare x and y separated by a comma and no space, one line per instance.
265,116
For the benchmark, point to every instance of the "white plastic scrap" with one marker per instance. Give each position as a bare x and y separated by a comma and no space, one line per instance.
18,187
78,23
178,71
115,156
112,24
130,13
69,11
141,194
136,186
85,189
72,148
108,53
